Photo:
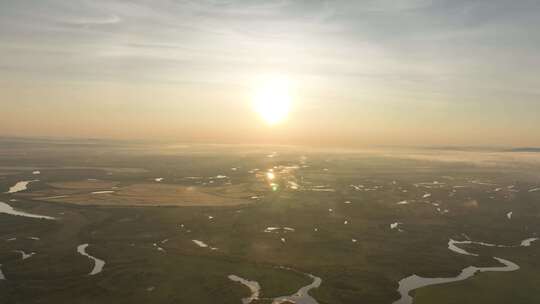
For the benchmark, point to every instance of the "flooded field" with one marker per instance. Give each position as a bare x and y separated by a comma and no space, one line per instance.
19,186
93,192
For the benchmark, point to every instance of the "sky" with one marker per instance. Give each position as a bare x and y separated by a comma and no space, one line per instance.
359,73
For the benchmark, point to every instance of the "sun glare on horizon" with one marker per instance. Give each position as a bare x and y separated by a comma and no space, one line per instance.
272,100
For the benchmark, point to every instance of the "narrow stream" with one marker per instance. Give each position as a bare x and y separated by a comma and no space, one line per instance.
98,264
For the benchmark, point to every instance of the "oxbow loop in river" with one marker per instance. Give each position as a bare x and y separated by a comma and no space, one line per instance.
408,284
302,296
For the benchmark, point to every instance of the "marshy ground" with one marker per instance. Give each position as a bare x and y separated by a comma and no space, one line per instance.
141,210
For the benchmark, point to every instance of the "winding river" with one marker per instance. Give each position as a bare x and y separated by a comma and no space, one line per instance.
253,286
7,209
302,296
414,282
98,264
24,255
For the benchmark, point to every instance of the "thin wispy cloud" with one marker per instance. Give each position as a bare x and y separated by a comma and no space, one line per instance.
426,53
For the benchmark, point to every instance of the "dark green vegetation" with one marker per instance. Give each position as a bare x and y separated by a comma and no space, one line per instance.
519,287
365,271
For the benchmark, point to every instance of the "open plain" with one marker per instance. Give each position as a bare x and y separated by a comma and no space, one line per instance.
175,225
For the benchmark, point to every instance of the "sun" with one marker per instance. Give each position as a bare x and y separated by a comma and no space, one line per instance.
272,100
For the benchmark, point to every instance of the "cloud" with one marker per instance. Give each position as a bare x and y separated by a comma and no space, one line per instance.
435,46
105,20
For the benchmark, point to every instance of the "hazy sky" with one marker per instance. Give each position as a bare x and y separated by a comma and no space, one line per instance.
417,72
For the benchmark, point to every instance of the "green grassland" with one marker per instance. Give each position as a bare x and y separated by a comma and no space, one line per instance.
366,271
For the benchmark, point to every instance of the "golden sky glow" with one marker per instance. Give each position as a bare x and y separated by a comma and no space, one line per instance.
341,73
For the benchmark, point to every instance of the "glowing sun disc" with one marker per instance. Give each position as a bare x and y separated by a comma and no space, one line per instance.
272,101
